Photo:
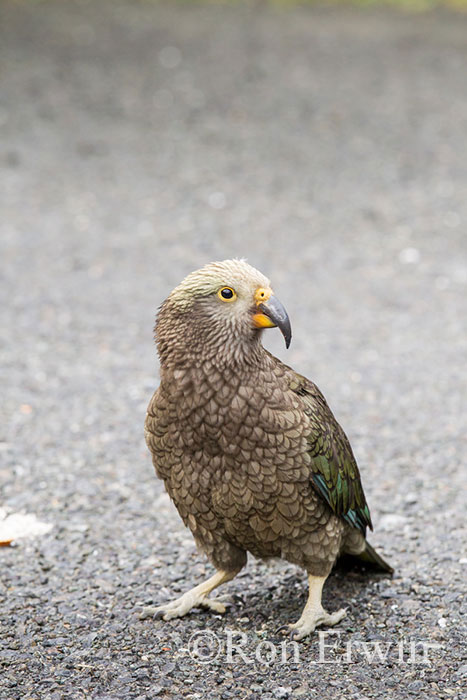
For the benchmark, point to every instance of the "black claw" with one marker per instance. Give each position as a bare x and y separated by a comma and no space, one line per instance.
158,615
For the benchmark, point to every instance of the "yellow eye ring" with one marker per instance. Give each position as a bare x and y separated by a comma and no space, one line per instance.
226,294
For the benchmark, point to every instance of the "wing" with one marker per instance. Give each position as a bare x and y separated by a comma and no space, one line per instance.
335,473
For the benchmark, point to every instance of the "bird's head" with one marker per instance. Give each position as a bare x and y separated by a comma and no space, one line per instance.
223,305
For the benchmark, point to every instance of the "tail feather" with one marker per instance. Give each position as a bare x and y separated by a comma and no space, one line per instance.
371,556
370,559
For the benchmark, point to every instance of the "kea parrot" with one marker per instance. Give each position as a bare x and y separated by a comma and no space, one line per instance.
248,449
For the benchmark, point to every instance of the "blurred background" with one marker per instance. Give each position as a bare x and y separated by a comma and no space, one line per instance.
140,140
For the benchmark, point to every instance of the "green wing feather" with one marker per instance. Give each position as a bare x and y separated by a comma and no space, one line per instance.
335,473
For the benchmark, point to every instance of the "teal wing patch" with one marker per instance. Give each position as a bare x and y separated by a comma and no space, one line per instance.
335,473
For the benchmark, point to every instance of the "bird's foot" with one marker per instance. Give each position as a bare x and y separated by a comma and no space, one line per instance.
181,606
198,596
312,618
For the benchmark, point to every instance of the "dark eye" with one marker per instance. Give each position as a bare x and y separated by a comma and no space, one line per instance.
226,294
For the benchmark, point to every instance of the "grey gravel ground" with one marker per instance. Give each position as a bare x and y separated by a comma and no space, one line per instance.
140,141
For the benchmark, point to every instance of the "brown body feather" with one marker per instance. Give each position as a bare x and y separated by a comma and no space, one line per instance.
236,451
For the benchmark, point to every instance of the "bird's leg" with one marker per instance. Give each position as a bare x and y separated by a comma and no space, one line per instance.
196,597
313,613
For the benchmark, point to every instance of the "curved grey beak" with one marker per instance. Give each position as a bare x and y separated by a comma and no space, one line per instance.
276,313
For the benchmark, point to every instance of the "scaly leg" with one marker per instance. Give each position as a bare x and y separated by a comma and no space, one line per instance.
196,597
313,613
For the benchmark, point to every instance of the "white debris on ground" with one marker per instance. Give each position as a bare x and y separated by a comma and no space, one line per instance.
16,525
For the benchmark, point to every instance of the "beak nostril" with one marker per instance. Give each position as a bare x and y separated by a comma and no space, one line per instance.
262,294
